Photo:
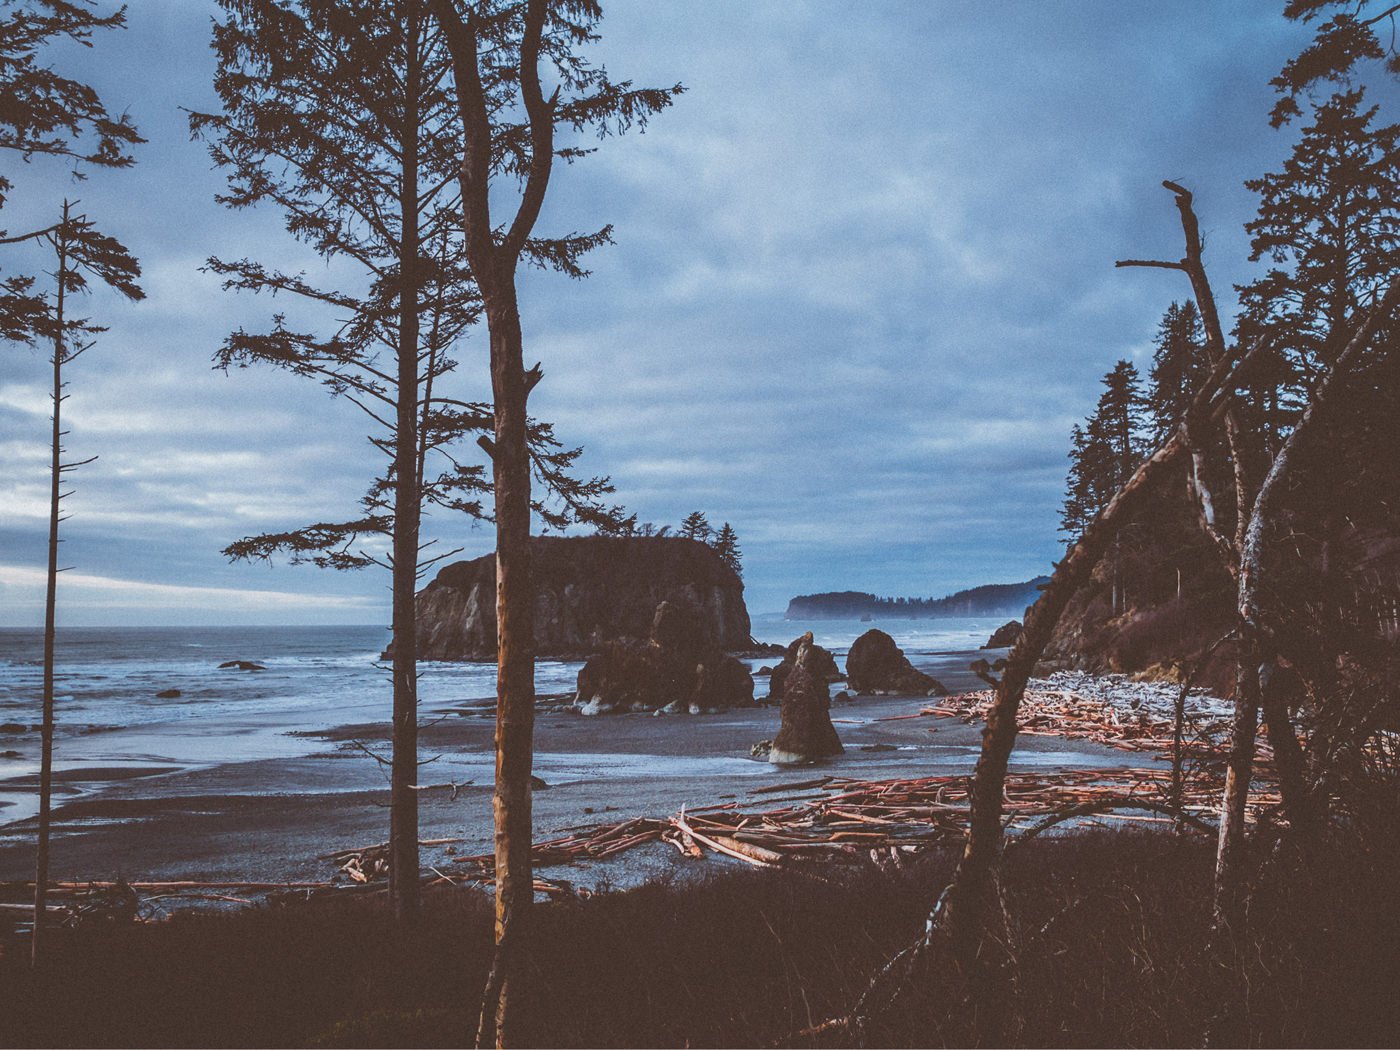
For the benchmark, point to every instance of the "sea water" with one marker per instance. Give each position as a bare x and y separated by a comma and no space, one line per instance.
109,712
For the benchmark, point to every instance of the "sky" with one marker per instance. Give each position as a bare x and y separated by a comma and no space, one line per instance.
862,288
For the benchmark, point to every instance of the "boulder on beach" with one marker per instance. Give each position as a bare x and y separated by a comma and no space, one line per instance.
824,663
876,665
1008,634
679,668
806,733
168,694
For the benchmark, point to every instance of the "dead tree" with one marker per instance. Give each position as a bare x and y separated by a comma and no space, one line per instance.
80,252
968,921
1256,659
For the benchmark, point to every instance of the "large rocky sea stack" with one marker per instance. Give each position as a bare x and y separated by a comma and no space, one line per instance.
588,590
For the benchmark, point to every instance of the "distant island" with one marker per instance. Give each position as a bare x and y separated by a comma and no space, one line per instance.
994,599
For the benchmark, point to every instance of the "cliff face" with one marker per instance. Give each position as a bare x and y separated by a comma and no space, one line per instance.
588,590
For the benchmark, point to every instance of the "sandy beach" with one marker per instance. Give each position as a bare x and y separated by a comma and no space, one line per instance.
274,819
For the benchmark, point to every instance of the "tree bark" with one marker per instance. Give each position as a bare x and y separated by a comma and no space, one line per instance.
493,265
404,886
41,860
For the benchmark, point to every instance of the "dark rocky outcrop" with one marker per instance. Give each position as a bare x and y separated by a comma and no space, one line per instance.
588,590
806,733
1008,634
241,665
876,665
825,665
679,668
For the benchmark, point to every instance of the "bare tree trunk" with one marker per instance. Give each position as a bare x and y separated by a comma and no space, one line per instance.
515,668
41,862
404,886
493,260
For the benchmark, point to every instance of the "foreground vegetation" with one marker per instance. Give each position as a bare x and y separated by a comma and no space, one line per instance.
1109,929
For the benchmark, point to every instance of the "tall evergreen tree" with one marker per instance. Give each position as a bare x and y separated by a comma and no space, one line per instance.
726,545
1107,449
1179,367
695,527
498,48
1328,223
81,254
342,114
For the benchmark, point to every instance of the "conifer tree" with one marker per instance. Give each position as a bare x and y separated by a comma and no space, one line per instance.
1328,223
81,254
1107,449
46,114
342,114
726,545
695,527
1179,366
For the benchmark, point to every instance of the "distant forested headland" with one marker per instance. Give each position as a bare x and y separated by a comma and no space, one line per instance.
995,599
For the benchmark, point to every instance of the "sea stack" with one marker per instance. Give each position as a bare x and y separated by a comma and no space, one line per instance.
807,733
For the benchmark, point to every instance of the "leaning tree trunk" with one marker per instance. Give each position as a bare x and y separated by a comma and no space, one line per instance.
971,915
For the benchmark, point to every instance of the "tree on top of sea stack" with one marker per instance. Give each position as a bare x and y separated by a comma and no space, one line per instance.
341,114
498,49
695,527
726,545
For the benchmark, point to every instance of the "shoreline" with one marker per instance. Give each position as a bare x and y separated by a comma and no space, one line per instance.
273,820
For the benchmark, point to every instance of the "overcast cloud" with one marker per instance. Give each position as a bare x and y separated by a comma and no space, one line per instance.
862,288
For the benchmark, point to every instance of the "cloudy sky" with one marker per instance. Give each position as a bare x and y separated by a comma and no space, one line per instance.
862,288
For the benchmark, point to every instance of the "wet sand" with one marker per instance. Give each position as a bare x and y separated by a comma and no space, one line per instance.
271,820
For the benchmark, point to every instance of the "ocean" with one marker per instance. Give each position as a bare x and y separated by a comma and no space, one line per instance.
109,713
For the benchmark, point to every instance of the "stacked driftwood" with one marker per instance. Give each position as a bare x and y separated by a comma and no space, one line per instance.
844,819
1062,713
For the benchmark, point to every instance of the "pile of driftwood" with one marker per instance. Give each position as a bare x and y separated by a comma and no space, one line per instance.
837,818
1054,712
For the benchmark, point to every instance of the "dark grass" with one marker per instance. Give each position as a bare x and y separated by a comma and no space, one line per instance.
1109,933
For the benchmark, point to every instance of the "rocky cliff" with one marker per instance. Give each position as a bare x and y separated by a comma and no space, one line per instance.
588,590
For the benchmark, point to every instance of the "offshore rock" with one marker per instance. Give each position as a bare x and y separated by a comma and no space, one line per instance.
589,590
876,665
679,668
806,733
825,665
1008,634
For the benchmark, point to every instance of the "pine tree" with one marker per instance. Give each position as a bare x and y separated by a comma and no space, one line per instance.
81,253
341,114
1329,224
1179,367
726,545
695,527
46,114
